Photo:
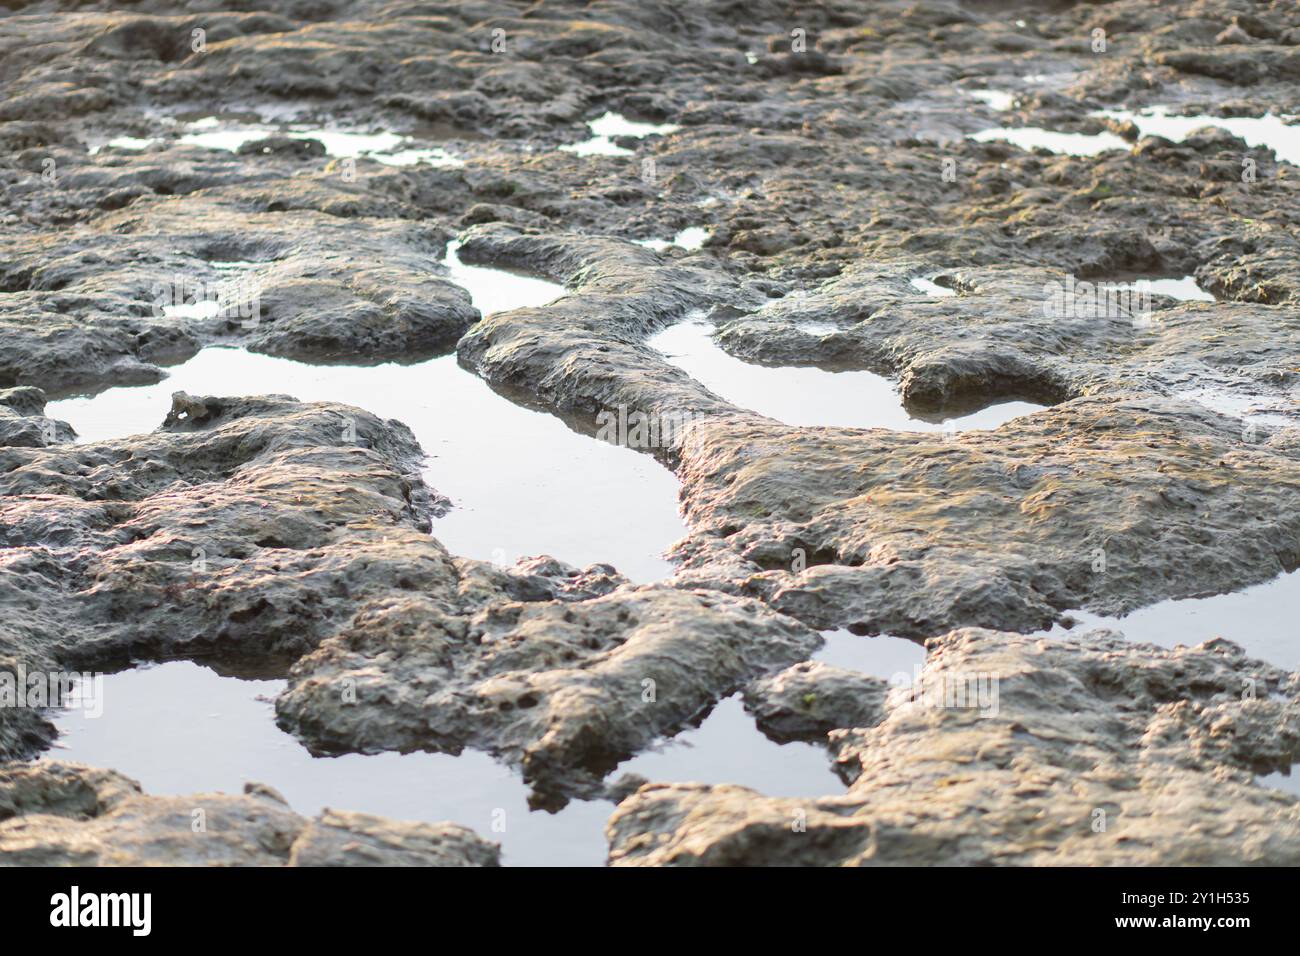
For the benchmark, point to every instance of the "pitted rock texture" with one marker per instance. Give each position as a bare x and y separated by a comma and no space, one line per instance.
1018,750
242,528
1107,504
164,541
61,814
583,354
251,530
23,423
93,306
563,689
800,164
810,699
818,174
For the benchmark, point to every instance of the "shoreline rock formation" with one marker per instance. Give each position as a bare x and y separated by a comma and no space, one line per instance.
827,156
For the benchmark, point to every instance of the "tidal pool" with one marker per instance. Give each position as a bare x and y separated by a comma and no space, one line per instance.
691,238
521,482
1267,130
1034,137
998,100
498,290
1262,619
895,659
609,125
393,149
799,395
728,748
930,287
1185,289
181,728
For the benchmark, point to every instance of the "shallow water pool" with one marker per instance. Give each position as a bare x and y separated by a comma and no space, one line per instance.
803,395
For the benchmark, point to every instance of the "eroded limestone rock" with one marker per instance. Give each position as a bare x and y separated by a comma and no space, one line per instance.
810,699
61,814
1087,750
565,689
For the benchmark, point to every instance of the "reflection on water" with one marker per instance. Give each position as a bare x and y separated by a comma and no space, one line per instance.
728,748
809,396
1267,130
1262,619
179,728
212,133
895,659
1034,137
929,287
520,481
691,238
609,125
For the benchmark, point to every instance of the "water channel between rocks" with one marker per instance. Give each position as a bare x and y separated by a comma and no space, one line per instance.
1274,132
522,483
807,395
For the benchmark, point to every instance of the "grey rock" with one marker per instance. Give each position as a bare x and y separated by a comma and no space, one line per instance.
810,699
564,689
61,814
1016,750
243,528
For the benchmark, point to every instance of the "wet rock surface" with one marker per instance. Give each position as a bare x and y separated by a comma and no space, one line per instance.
1018,750
825,154
810,699
240,529
1106,503
59,814
563,689
111,301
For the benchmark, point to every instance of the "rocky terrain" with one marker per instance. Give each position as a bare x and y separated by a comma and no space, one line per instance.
827,151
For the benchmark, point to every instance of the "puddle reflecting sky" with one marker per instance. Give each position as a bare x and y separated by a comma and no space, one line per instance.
691,239
728,748
1072,144
806,395
1267,130
499,290
179,728
1184,289
929,287
883,656
521,482
995,99
609,125
383,146
1264,619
